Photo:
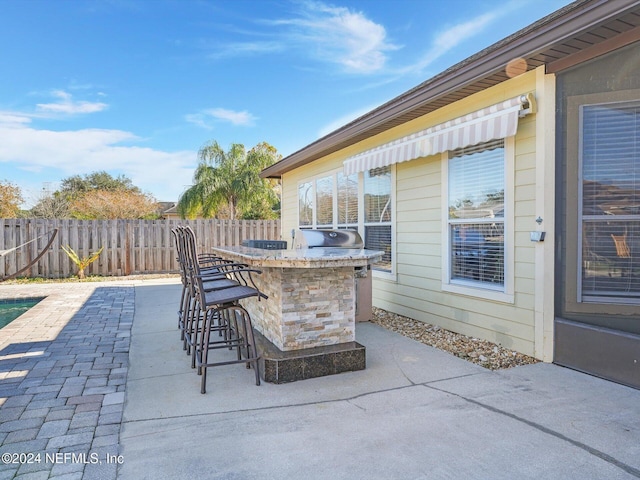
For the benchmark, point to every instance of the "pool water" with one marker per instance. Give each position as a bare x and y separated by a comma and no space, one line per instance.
13,308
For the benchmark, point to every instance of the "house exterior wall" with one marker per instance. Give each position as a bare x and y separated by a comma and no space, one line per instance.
414,288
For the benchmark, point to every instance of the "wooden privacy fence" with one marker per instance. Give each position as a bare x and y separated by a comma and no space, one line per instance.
130,246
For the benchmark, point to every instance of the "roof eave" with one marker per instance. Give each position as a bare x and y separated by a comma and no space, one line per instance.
562,24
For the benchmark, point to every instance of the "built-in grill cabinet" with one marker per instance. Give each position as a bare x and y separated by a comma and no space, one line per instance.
343,239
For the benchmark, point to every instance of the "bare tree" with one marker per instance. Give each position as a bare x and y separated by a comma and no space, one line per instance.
51,205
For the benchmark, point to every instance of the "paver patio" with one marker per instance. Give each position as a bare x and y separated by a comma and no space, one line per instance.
63,370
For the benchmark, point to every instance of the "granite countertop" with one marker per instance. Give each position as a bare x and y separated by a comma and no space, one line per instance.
301,258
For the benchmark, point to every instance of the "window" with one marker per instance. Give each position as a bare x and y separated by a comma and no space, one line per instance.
347,200
377,214
476,216
610,201
359,201
305,205
324,202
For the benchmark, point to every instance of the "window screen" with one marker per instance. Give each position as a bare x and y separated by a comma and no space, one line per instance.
610,203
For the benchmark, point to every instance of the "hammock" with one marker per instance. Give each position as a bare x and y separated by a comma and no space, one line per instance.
6,252
35,260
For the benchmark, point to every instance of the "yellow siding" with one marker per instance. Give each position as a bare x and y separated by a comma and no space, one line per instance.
416,290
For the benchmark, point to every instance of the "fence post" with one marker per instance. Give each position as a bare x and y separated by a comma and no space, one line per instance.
127,248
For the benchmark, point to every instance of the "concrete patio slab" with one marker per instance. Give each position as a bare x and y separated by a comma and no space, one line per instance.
415,412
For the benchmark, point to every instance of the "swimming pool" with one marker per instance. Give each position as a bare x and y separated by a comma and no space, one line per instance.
12,308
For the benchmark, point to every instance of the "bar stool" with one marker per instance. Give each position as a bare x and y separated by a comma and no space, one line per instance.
217,274
182,236
212,296
176,233
221,310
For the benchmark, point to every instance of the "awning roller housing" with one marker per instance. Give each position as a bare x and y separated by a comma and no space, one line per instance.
490,123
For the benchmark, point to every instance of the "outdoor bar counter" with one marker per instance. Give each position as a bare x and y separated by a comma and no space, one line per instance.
306,328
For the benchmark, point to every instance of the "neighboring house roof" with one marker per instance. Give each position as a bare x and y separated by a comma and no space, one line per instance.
166,206
168,209
580,31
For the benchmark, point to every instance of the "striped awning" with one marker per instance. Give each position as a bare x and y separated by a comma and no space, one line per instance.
497,121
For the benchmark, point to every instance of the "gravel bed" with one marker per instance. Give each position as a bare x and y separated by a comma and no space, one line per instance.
481,352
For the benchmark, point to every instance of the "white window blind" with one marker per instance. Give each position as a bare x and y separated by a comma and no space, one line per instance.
476,214
610,203
476,181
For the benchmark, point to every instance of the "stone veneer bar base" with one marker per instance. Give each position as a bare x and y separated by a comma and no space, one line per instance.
277,366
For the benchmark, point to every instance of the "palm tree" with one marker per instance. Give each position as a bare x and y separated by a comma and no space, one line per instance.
229,180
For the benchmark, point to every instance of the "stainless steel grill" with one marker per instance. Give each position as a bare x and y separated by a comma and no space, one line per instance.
333,240
329,239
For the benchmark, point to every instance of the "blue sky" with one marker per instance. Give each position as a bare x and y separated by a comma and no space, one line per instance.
136,87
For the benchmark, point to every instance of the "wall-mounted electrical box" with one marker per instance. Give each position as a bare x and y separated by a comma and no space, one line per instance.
537,236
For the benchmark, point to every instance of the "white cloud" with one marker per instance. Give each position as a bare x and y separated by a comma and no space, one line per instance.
442,43
236,118
246,48
66,105
164,174
326,33
339,35
198,119
15,119
454,35
29,154
205,118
